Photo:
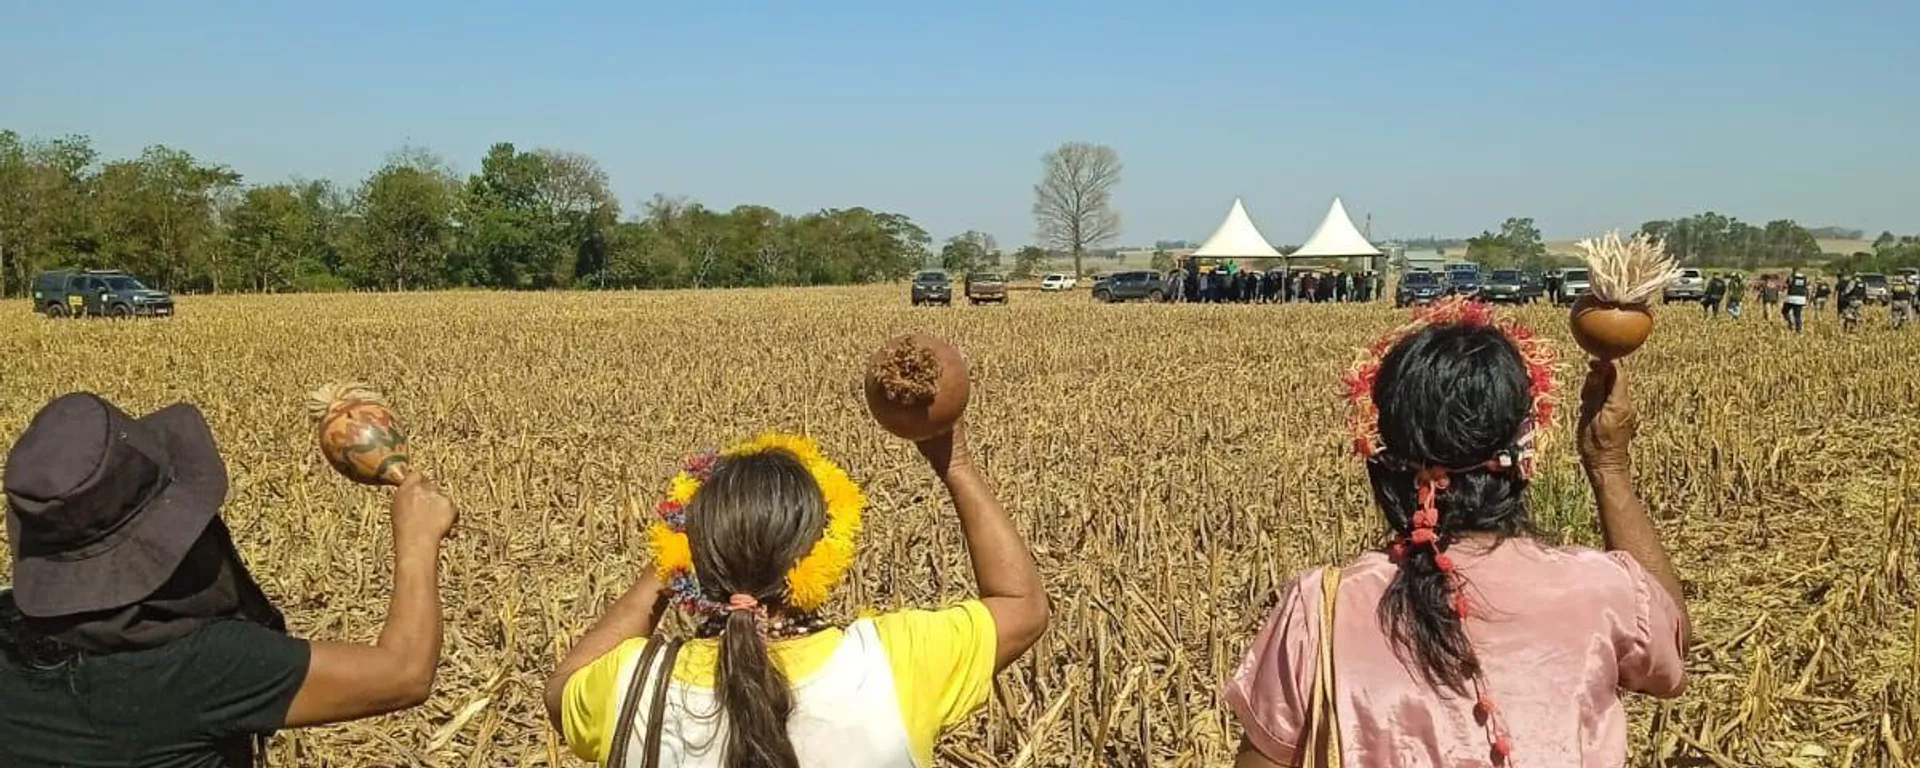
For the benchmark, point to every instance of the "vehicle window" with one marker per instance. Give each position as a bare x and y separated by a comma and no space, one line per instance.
1420,278
124,284
97,285
1576,275
76,285
1507,275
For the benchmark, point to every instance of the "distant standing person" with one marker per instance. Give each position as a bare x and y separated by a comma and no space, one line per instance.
1853,294
1798,291
1820,294
1716,292
1736,295
1769,292
1900,299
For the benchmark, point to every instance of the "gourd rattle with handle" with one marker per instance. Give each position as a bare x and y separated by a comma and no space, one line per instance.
359,434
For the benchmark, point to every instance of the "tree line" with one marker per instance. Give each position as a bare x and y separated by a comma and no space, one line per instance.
1708,240
527,220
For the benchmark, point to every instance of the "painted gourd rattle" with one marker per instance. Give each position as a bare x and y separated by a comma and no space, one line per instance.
359,435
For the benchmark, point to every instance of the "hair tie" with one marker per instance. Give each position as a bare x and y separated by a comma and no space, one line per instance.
741,601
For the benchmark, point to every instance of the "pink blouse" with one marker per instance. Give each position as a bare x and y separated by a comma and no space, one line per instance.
1559,632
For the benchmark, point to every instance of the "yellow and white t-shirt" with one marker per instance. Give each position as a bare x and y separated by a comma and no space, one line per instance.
875,695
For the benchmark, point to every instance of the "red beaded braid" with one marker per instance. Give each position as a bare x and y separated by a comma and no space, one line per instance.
1430,481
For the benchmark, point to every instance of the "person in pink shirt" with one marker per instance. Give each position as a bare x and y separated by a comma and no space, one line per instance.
1464,641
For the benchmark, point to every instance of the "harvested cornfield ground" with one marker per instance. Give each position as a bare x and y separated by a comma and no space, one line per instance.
1171,466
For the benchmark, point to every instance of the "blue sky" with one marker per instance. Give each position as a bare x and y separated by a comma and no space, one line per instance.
1438,118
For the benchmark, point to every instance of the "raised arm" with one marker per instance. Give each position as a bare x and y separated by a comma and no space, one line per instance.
1002,565
635,614
348,681
1607,427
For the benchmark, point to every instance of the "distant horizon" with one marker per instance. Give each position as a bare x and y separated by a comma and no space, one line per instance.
1584,118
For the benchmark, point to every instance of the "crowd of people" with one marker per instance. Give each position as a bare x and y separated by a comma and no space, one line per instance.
1226,283
134,634
1793,294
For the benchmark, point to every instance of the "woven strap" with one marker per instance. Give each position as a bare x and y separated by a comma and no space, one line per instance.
630,706
1322,748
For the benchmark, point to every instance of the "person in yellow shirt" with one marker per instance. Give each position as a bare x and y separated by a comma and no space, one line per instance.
751,542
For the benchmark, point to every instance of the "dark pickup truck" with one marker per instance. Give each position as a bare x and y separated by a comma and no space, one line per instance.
1128,286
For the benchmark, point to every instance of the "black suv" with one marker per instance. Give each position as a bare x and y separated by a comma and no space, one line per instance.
1418,288
100,293
932,287
1511,286
1122,286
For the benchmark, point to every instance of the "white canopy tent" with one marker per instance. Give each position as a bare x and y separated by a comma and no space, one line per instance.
1236,238
1336,237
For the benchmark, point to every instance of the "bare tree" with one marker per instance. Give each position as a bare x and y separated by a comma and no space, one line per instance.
1073,203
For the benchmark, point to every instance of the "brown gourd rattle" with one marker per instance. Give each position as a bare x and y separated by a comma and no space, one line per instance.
1612,320
916,386
359,435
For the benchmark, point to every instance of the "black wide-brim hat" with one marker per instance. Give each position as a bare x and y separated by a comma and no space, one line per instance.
102,507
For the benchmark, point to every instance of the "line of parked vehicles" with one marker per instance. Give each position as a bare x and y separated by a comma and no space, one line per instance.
936,287
1499,286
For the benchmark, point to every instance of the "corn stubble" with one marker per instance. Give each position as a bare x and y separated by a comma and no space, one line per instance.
1172,467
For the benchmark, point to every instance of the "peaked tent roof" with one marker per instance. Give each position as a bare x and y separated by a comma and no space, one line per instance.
1237,238
1336,236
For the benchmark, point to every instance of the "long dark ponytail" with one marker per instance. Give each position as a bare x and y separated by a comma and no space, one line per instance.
1449,397
751,520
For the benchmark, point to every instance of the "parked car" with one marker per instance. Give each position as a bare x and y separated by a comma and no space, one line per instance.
986,288
1128,286
1691,286
97,293
1058,282
1574,283
1464,279
1418,288
932,287
1510,286
1878,290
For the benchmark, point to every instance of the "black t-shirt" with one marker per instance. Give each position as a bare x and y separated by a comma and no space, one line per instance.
1797,285
196,702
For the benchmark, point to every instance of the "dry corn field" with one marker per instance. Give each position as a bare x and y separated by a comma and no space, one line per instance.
1170,465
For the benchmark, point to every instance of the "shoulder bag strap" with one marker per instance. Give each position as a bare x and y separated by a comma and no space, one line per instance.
630,706
1322,745
658,715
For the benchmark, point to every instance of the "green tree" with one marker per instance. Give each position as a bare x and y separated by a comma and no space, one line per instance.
1490,250
157,217
962,254
1028,260
1073,203
1162,261
268,231
403,226
1523,243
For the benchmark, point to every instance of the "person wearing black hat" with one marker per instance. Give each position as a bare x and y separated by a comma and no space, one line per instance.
133,634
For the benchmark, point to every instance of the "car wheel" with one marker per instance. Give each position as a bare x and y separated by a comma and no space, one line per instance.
56,310
1154,296
1103,297
120,312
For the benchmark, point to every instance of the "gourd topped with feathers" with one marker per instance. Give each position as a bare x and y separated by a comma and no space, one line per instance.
1612,320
